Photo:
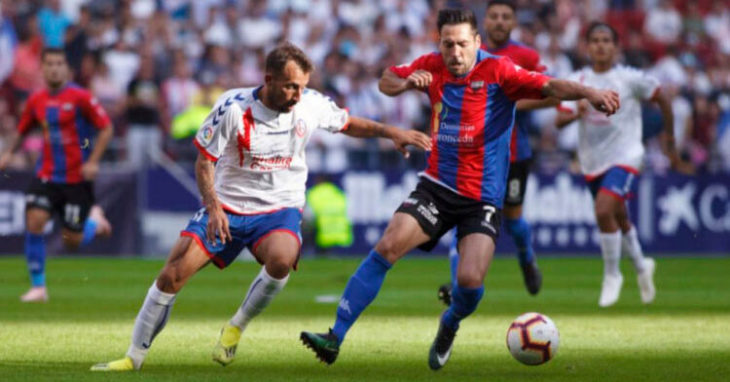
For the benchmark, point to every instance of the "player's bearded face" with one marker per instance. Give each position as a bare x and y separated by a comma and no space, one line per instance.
601,47
499,22
55,70
285,89
458,45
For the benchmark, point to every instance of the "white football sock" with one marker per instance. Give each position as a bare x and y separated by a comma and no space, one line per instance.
263,289
630,245
611,250
151,318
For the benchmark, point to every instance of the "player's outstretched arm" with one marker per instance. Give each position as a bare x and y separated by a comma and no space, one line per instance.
217,219
392,85
606,101
534,104
366,128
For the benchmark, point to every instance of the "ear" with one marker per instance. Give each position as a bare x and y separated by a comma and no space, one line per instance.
478,40
267,78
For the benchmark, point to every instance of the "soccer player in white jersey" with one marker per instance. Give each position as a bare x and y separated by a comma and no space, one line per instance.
251,174
611,153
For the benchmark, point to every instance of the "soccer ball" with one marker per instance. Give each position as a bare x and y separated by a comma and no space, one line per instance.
533,338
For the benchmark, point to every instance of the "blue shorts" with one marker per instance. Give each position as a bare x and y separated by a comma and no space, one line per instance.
246,231
617,182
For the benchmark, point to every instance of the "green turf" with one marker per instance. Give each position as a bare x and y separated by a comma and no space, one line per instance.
683,336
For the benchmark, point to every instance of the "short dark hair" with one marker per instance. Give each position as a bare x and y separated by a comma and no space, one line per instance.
596,25
276,59
502,2
49,50
456,16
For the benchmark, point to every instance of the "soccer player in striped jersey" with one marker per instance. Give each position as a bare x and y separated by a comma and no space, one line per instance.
69,162
473,95
499,21
611,152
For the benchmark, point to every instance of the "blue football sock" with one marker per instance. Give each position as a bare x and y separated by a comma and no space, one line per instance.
360,291
454,259
464,302
89,231
520,231
35,256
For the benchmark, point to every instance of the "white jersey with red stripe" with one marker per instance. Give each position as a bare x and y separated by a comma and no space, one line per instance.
605,142
259,152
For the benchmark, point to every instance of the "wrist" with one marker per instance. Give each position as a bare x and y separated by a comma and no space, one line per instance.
212,204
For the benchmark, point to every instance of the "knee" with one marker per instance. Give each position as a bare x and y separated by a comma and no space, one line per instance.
71,241
279,267
388,248
469,278
169,280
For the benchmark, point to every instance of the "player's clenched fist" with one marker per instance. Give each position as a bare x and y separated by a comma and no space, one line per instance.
606,101
420,79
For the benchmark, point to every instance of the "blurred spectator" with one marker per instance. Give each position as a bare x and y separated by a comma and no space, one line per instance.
76,39
664,24
180,89
144,135
53,23
26,76
8,42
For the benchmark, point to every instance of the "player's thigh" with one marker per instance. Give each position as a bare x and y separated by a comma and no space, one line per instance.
402,235
185,259
278,252
476,251
607,207
74,207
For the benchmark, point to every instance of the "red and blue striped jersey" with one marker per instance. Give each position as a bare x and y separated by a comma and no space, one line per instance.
66,117
529,59
471,121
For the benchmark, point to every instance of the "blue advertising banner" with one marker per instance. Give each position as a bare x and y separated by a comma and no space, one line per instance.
673,213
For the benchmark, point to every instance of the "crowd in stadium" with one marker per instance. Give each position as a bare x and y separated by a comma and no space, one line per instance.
158,65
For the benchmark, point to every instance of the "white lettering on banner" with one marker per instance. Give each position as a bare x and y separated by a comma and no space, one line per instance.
715,223
563,202
12,211
676,207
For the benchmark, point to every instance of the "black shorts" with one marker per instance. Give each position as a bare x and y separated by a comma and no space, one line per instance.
514,194
438,209
72,202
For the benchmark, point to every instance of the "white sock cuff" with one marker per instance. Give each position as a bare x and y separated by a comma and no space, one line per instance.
137,355
271,280
615,236
159,296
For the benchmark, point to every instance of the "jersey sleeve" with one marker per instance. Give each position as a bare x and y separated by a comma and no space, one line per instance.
330,116
643,85
27,119
425,62
93,111
518,83
219,127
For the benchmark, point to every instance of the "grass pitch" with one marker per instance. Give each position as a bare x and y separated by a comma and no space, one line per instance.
683,336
